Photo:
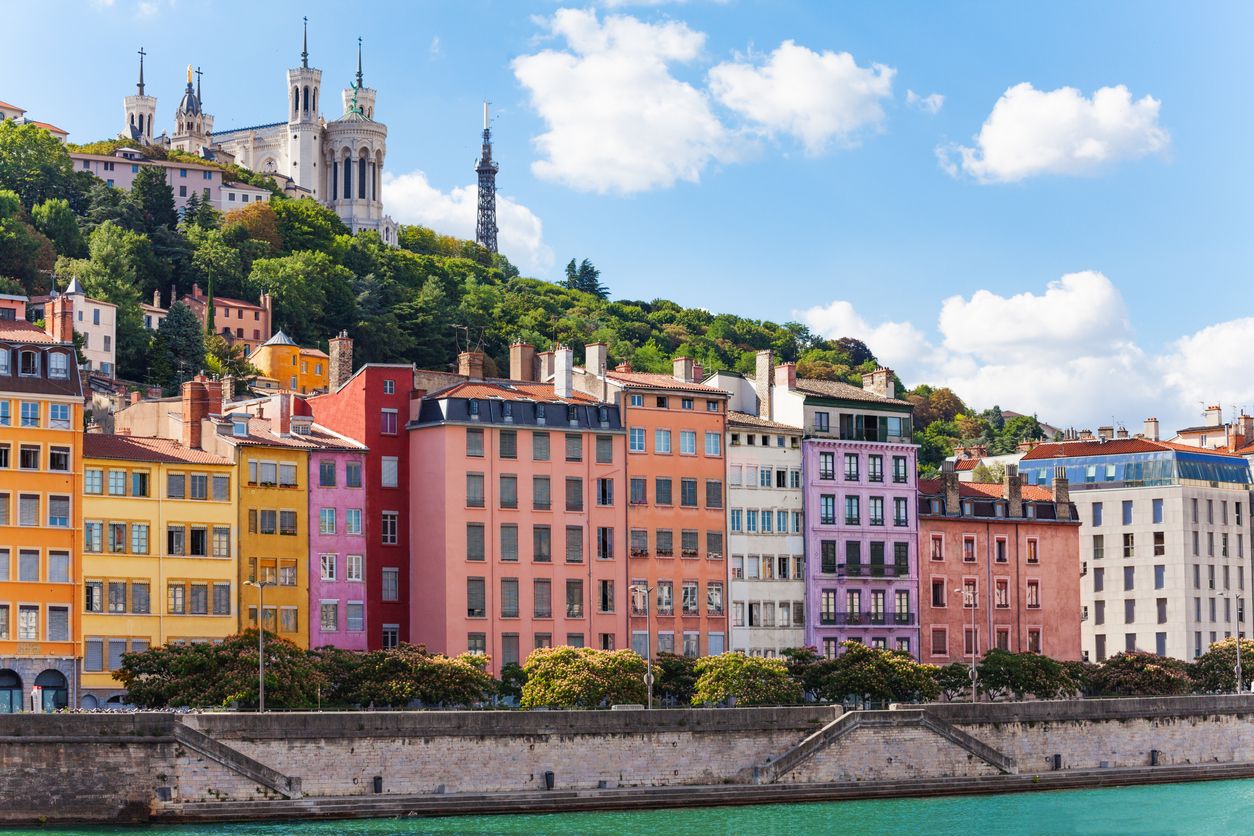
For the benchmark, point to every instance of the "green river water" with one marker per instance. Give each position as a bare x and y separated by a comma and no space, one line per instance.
1205,807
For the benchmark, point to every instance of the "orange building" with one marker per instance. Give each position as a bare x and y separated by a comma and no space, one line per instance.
999,567
41,421
676,517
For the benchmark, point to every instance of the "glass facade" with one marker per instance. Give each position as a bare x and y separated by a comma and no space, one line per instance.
1168,467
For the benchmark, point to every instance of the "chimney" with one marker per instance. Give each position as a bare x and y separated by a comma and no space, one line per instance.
1121,432
1214,415
786,376
174,294
1012,490
1086,435
1242,432
1062,493
195,409
624,367
949,479
156,298
596,356
213,397
59,319
682,369
470,365
195,290
136,397
880,382
546,365
522,361
698,373
1106,433
281,414
341,352
763,383
1151,429
563,364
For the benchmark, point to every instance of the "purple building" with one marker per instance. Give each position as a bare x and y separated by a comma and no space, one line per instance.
859,497
337,539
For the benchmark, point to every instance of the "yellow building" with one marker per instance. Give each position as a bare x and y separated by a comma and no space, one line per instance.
160,557
41,421
286,366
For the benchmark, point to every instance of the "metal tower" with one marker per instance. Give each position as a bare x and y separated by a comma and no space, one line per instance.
485,229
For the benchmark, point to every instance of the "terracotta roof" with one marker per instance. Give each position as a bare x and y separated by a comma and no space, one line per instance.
842,391
650,380
1066,449
222,300
48,126
314,352
319,438
21,331
1034,493
744,419
510,390
966,464
8,106
144,449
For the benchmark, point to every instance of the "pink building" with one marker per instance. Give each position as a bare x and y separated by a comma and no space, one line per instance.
517,501
120,169
338,570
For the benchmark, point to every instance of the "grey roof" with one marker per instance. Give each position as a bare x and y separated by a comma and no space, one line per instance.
248,128
75,287
190,103
279,338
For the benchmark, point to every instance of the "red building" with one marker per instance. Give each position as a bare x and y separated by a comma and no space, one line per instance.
1010,551
372,407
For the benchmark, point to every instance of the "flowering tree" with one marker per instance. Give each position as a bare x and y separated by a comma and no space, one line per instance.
751,680
1215,670
873,675
1139,674
582,677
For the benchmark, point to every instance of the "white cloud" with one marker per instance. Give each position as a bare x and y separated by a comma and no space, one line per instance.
411,199
816,97
616,119
930,104
1032,132
435,50
1067,353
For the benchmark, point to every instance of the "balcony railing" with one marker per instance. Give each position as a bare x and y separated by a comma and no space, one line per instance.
873,570
867,619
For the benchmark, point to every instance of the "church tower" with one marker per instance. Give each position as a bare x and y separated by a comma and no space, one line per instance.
191,124
485,228
304,87
140,110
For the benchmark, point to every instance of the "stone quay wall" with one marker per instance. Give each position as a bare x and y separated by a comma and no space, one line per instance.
131,767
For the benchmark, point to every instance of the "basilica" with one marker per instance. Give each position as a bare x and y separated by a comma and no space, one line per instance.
339,163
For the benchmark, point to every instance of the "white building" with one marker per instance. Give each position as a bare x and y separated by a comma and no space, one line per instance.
94,319
1163,541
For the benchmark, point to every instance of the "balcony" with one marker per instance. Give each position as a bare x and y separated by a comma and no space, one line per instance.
873,570
867,619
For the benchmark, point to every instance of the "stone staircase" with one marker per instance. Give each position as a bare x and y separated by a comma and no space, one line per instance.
850,721
236,761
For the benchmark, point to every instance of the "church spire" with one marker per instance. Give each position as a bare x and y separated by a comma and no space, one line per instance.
304,47
359,62
140,86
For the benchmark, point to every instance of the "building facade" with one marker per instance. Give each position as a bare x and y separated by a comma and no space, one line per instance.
999,568
41,420
337,540
518,489
285,365
1163,548
160,559
241,322
94,320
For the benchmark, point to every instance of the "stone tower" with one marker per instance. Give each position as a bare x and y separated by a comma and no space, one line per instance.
192,125
140,110
304,86
340,350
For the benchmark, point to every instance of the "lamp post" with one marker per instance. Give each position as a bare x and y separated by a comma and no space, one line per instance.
261,642
968,599
648,636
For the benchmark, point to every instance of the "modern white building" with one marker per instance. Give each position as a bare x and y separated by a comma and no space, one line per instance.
1164,541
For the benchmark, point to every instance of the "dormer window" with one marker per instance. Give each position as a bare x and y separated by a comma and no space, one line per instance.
58,365
239,426
540,413
507,411
28,364
302,425
603,415
572,416
473,406
4,361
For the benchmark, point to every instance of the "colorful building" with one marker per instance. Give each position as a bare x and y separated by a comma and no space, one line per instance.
1163,539
999,568
517,490
338,569
239,321
41,421
94,320
285,365
371,407
160,559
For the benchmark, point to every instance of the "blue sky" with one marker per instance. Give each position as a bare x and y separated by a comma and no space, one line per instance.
1085,257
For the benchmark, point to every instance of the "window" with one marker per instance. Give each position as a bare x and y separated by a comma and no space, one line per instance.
1034,595
574,447
389,473
28,364
509,597
1099,546
899,469
93,481
1097,514
287,475
287,523
329,616
474,490
662,491
853,514
661,441
352,474
574,493
540,446
508,491
827,509
326,473
638,491
664,542
390,524
507,446
938,593
688,493
59,416
687,443
391,587
28,457
636,440
509,542
827,466
1129,544
387,421
542,590
542,544
851,467
175,485
605,492
605,449
59,511
391,636
900,511
328,565
574,598
326,521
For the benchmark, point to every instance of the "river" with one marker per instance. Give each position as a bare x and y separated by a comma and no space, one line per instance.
1211,807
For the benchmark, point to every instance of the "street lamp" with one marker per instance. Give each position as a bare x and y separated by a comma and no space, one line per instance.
1237,669
647,590
968,599
261,641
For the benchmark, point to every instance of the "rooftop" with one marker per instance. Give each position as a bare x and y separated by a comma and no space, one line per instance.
744,419
651,380
842,391
145,449
1032,493
510,390
1112,446
21,331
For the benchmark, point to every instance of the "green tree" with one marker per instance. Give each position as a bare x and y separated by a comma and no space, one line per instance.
57,222
117,260
224,359
154,197
1002,673
24,252
953,680
1139,674
749,680
585,277
676,678
402,675
33,163
1215,670
582,677
313,295
872,675
178,349
989,474
305,224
